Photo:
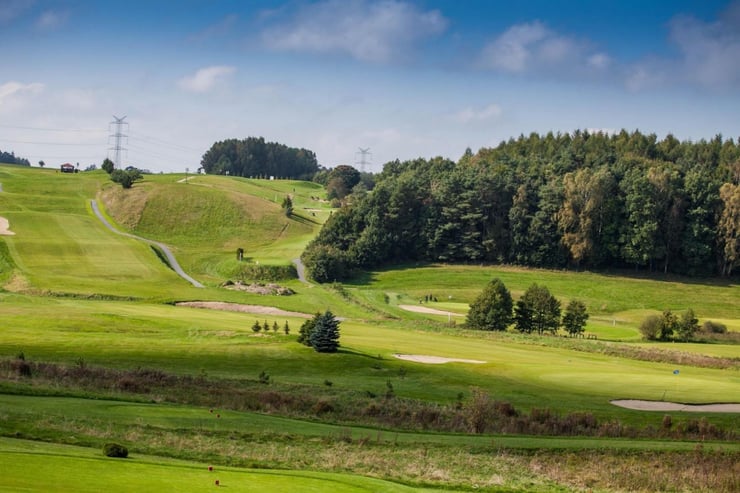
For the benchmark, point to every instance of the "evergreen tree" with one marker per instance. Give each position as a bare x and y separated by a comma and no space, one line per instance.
537,311
325,335
492,309
307,328
574,318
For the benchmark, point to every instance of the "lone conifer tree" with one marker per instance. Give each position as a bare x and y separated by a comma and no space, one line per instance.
324,337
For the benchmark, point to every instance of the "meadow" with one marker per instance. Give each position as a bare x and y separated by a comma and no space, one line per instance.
79,297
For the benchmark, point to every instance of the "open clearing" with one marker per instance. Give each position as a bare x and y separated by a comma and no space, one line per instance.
435,360
238,307
639,405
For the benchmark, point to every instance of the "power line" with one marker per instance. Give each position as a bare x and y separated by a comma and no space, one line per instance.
154,140
46,143
43,129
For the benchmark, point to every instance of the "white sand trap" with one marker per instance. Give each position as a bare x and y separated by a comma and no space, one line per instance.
675,406
5,227
435,360
427,310
237,307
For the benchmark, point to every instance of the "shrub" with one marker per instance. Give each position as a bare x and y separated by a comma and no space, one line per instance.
650,327
711,327
115,450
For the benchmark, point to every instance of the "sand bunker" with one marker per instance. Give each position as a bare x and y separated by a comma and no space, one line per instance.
428,311
236,307
5,227
435,360
675,406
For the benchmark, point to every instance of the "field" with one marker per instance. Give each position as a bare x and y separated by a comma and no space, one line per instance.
110,357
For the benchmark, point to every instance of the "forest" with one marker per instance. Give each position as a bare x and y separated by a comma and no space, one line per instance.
11,158
253,157
579,200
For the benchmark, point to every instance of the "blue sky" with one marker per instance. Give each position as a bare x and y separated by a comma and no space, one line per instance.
406,78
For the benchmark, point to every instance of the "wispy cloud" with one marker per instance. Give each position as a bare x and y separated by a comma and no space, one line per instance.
10,9
205,79
363,29
221,28
534,47
490,112
710,50
50,20
13,88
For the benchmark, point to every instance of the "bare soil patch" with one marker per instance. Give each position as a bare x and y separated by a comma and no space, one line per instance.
676,406
435,360
427,310
5,227
238,307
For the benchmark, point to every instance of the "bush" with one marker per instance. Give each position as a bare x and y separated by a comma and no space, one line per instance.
711,327
115,450
650,327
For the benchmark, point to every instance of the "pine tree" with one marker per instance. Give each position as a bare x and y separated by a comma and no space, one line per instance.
325,336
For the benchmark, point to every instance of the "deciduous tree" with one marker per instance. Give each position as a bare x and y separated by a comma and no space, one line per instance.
492,309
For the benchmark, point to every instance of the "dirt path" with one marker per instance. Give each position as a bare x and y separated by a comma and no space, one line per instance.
435,360
675,406
428,311
237,307
170,257
5,227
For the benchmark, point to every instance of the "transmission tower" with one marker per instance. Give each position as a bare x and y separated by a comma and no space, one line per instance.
363,154
119,139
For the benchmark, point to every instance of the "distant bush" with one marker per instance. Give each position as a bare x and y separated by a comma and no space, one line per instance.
115,450
711,327
650,327
259,272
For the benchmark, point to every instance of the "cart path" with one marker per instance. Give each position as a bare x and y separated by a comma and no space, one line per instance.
170,257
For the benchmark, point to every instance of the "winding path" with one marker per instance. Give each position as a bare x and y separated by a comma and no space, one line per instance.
301,270
170,258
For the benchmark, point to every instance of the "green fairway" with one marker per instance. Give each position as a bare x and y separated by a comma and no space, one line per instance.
85,309
33,466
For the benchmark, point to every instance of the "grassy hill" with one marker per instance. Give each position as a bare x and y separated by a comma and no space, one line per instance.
106,355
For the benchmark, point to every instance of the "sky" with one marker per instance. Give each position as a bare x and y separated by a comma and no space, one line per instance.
402,78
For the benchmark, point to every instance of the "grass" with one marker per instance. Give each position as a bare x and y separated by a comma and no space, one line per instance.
32,466
602,293
74,292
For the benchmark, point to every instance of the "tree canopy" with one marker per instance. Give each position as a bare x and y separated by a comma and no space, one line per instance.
492,309
579,200
11,158
253,157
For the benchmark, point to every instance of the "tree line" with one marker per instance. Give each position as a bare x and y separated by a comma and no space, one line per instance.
581,200
253,157
537,311
11,158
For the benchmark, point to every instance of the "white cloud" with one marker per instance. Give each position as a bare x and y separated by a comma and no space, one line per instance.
710,51
363,29
599,61
50,20
533,47
11,91
492,111
10,9
205,79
